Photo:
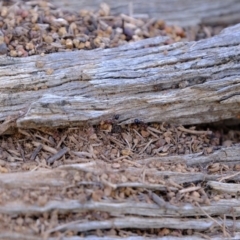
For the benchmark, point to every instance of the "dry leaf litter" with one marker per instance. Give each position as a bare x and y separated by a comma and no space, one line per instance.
145,180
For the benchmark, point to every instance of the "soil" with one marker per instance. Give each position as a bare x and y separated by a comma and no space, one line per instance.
110,180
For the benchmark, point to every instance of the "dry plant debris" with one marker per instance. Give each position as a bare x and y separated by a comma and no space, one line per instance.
37,27
138,181
102,180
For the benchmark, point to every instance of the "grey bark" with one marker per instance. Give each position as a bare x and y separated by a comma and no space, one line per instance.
196,82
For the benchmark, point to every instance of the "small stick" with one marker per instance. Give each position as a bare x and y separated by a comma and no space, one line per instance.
183,129
61,141
36,151
108,184
147,145
189,189
132,163
58,155
158,200
174,184
219,224
82,154
153,134
229,176
45,147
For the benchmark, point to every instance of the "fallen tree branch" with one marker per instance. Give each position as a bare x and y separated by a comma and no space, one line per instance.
143,223
223,155
127,207
183,87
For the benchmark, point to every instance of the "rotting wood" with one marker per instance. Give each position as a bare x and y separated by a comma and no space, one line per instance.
184,13
132,81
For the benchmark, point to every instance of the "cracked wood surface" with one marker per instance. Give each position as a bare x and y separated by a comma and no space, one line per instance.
184,12
196,82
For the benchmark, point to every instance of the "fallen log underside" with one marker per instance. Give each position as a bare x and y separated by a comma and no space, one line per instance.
183,83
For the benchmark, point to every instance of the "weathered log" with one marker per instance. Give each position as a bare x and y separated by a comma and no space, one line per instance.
224,206
181,13
139,222
196,82
229,155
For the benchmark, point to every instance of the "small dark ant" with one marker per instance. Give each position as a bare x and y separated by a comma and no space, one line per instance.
140,123
116,117
137,121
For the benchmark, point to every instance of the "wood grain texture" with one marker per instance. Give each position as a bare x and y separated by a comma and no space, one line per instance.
196,82
181,13
223,206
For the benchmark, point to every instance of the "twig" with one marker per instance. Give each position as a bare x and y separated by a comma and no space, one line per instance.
45,147
82,154
146,146
170,181
108,184
133,163
61,141
118,143
183,129
220,225
229,176
153,134
189,189
36,151
58,155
